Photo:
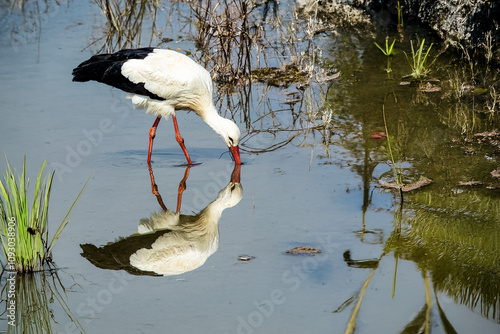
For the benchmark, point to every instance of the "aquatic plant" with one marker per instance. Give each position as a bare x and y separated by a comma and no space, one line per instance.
419,58
400,17
389,50
24,232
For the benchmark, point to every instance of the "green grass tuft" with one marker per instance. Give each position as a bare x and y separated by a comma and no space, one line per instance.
419,58
389,50
23,227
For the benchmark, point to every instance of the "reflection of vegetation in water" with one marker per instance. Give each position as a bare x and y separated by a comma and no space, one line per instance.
473,94
351,325
22,21
449,231
124,23
455,248
422,321
224,34
456,239
34,302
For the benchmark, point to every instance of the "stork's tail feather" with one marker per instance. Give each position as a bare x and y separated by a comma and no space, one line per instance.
92,69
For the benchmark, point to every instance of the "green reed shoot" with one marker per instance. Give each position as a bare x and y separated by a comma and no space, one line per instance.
389,50
395,169
24,226
419,58
400,17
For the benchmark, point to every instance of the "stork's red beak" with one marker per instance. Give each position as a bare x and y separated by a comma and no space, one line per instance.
235,151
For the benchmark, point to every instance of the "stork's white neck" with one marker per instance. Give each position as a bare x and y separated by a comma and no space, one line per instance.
213,119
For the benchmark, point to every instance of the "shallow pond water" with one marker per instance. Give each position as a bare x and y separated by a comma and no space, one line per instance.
385,266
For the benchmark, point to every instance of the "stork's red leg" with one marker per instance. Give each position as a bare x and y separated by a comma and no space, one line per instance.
180,140
182,187
152,134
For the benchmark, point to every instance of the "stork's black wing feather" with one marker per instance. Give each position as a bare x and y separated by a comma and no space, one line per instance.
106,68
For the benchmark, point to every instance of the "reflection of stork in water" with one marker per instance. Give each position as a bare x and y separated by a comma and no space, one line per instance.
169,243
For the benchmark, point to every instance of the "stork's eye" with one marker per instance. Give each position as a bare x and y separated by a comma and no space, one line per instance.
231,140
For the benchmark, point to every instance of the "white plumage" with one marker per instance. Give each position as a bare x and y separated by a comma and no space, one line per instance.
178,79
162,81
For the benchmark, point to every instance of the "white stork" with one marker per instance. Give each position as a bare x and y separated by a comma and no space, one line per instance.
162,81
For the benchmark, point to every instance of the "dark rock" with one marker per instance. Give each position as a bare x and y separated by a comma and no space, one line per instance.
460,23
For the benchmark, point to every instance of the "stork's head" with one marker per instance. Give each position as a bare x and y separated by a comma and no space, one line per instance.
226,128
231,135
